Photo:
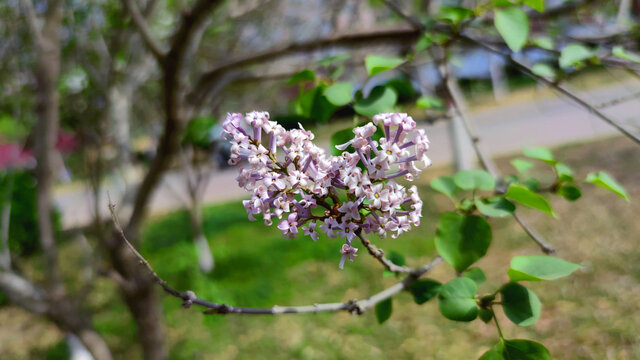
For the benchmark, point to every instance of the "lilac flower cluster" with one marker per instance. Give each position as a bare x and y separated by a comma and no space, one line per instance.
295,181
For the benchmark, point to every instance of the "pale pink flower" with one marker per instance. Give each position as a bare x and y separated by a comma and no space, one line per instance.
311,230
348,252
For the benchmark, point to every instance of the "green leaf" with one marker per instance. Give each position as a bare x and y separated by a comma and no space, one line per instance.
454,14
564,172
462,239
537,268
377,64
424,290
337,72
504,3
569,192
330,60
513,25
381,99
521,165
456,300
445,185
322,109
302,76
396,258
603,179
339,94
476,274
544,42
532,184
430,102
314,105
495,207
520,304
517,350
526,197
537,5
429,39
620,52
403,87
485,315
575,54
544,70
539,153
383,310
474,179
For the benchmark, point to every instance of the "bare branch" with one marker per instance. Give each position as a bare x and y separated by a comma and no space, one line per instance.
486,161
32,20
354,306
225,72
143,29
378,254
562,90
457,102
173,102
22,292
544,246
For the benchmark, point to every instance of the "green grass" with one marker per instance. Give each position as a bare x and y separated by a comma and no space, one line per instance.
584,316
590,315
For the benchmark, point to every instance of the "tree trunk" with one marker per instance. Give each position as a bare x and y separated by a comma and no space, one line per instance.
147,313
62,311
46,132
205,256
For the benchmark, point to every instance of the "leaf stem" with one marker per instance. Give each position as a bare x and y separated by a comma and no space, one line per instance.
495,319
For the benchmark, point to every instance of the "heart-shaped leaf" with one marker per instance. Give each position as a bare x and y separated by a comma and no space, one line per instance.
569,192
456,299
302,76
521,165
495,207
462,239
537,268
377,64
476,274
474,179
381,99
574,55
526,197
513,25
603,179
520,304
539,153
339,94
445,185
517,350
383,310
424,290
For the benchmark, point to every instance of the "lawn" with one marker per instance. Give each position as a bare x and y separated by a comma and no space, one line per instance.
592,314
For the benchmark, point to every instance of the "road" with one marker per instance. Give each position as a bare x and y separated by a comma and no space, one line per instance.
533,118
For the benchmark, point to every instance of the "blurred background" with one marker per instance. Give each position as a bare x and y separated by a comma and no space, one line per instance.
125,98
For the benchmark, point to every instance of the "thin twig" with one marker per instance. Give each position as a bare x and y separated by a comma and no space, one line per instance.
143,29
457,102
562,90
378,254
353,306
485,160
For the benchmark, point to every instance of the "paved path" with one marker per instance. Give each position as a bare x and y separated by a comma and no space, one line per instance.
538,118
